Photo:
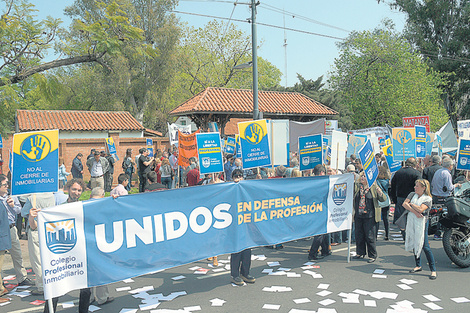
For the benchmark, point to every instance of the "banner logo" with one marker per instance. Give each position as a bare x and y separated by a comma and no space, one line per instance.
305,160
206,162
35,148
61,236
463,161
403,137
254,133
339,193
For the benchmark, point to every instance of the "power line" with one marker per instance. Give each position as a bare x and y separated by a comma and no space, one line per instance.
230,18
263,24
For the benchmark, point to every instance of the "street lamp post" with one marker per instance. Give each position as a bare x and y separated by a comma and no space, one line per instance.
254,59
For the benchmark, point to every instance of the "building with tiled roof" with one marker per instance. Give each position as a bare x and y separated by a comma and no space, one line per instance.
221,104
80,124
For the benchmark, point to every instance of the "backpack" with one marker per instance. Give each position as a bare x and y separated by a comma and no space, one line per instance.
126,164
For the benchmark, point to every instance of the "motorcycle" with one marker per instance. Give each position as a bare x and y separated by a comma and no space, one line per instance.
454,216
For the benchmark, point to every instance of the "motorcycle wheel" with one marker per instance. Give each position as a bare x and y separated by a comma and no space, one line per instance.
451,241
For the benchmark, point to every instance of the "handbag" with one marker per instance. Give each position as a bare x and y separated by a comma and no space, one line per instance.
386,202
401,221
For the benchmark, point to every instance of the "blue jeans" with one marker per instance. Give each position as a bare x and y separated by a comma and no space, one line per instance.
427,251
167,182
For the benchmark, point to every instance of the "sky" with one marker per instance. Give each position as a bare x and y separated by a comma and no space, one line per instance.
309,52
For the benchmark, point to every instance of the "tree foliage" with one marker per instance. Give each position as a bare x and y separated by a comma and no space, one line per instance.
381,80
440,30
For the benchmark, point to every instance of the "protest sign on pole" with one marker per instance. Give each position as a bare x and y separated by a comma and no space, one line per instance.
404,143
297,129
279,141
326,144
339,146
187,148
238,148
254,142
411,122
173,131
393,166
1,141
463,156
213,127
230,145
429,143
463,128
93,243
209,153
439,145
374,141
355,143
35,162
149,143
111,147
310,151
369,164
420,141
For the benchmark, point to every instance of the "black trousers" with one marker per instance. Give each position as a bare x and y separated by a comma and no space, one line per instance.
240,263
365,236
320,240
83,303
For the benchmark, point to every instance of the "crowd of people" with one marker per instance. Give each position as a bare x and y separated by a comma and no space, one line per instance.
412,189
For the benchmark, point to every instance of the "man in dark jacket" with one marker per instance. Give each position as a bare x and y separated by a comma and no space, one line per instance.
77,166
428,172
403,182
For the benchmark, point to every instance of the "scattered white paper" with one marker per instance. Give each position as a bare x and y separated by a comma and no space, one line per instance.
301,311
351,300
324,293
143,289
361,292
277,289
326,302
129,280
149,306
404,286
380,295
370,303
9,277
194,268
125,310
276,263
293,275
323,286
219,269
285,269
408,281
432,298
192,308
67,305
302,300
260,257
460,300
309,263
178,277
271,306
433,306
379,276
277,273
267,271
326,310
379,271
93,308
123,288
5,303
217,302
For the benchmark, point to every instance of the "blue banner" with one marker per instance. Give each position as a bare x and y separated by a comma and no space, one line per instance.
310,151
326,142
404,143
35,162
111,147
238,148
209,153
355,143
420,141
98,242
463,156
429,143
369,164
393,166
230,146
254,144
439,145
1,141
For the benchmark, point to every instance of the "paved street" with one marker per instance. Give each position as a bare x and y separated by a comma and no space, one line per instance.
303,292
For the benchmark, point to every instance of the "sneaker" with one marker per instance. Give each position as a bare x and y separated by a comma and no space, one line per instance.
26,282
248,279
313,257
109,299
237,281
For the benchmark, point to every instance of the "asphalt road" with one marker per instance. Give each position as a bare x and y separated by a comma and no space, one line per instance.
342,280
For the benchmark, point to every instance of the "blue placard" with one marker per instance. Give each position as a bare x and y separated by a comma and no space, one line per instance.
254,144
238,148
439,145
35,162
149,141
1,141
393,166
209,153
369,164
420,141
112,147
325,149
231,145
463,157
404,143
310,151
355,143
428,144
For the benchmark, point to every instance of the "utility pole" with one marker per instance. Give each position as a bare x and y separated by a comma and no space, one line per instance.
255,59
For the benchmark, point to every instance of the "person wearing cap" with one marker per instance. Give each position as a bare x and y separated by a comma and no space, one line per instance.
229,167
240,262
77,166
97,166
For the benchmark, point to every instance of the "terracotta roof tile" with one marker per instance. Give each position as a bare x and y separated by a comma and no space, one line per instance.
241,101
30,120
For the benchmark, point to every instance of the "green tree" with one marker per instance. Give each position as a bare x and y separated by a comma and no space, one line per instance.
381,80
440,30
